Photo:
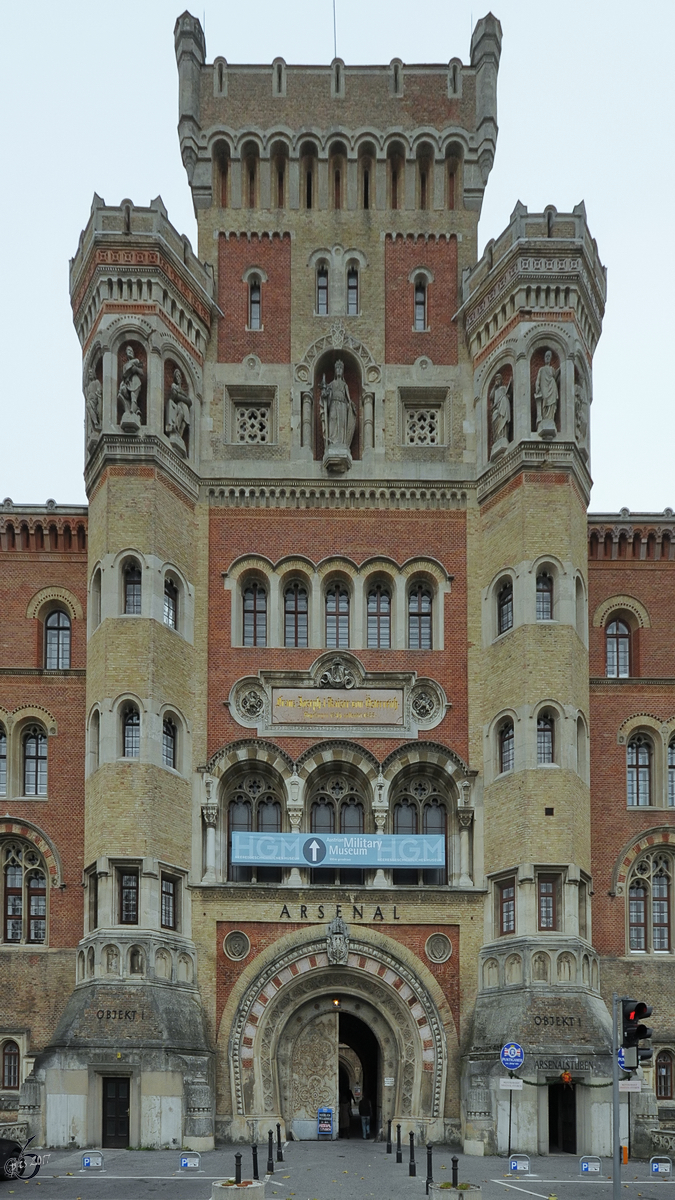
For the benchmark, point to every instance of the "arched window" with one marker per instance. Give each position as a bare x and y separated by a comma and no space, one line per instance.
3,761
650,904
169,740
24,881
295,615
671,774
322,821
96,600
131,732
544,597
506,747
321,288
170,603
132,590
255,615
420,316
664,1075
254,805
639,772
254,303
57,641
35,761
419,617
337,617
505,607
337,801
617,637
353,291
379,618
420,807
10,1066
545,738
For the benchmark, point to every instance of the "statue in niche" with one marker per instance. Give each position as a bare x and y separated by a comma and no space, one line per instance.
178,407
129,392
546,395
580,414
338,421
112,965
93,397
500,405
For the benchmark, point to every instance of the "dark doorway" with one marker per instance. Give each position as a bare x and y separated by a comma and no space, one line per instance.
562,1119
116,1112
357,1035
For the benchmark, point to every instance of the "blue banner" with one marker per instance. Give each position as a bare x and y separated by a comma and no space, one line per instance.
338,850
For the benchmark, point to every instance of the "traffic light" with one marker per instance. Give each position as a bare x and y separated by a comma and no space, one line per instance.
634,1031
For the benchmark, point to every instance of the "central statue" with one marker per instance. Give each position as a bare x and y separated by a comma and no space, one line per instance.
338,421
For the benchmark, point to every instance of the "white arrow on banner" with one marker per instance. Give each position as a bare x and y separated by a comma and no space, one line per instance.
314,847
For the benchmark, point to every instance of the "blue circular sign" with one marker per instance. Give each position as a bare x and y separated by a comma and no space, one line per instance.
512,1056
314,850
620,1057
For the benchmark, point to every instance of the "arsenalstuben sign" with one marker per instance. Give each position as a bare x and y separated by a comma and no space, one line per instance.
338,850
336,706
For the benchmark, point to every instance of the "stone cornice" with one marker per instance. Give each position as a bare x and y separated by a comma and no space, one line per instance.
533,455
119,448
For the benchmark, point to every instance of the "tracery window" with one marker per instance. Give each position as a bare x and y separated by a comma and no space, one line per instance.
57,641
337,802
379,617
639,772
255,615
650,904
35,761
505,607
506,747
254,805
296,615
664,1075
544,596
617,642
337,617
420,806
24,882
419,617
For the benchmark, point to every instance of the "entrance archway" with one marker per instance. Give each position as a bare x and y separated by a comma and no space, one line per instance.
357,1037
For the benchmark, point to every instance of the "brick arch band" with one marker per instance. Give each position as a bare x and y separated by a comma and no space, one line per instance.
30,833
372,972
662,835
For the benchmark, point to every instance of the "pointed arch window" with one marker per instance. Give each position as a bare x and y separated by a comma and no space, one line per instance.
170,604
544,596
254,804
131,732
617,641
169,740
650,903
254,303
506,747
664,1075
337,617
420,313
419,617
505,607
379,618
255,615
639,772
10,1066
24,883
421,805
35,761
296,615
57,641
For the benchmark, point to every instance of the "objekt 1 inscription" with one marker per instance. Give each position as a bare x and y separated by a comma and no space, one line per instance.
120,1014
559,1021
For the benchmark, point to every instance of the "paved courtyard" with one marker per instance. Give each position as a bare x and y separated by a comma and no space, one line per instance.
342,1170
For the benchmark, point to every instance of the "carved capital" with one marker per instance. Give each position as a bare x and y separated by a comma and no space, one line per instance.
465,817
210,814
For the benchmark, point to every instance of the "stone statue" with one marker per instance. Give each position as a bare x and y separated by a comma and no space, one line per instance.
178,407
337,943
338,421
500,415
546,395
129,391
93,396
580,414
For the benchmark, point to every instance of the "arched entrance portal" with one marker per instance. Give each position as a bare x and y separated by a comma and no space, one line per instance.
360,1049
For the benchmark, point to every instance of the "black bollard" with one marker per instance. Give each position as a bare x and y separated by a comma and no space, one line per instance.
455,1170
399,1156
412,1168
270,1153
280,1153
389,1136
430,1168
237,1168
254,1153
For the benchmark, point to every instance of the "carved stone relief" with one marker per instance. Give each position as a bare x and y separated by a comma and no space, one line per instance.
315,1068
236,945
500,399
337,942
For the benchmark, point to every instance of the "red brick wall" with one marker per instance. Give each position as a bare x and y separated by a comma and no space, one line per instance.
319,535
439,342
613,824
272,255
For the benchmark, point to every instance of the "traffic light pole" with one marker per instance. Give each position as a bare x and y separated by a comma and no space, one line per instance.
616,1128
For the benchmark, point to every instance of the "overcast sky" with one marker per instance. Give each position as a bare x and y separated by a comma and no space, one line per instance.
89,96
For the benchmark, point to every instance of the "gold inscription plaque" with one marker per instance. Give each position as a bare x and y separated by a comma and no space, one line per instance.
337,706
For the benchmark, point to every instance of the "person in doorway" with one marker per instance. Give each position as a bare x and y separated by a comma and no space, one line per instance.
365,1113
345,1115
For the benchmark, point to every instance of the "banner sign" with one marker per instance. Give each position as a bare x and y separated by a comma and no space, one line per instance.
338,850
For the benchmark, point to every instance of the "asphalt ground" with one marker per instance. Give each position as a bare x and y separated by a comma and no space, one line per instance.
342,1170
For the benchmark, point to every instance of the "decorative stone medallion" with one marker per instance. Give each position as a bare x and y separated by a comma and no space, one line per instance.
438,948
236,945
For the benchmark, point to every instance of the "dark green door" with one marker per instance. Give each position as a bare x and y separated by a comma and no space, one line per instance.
116,1112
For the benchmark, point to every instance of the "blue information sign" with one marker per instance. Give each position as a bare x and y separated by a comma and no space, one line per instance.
620,1056
338,850
512,1056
